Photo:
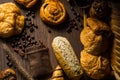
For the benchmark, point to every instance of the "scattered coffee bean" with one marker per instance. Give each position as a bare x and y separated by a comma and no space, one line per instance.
49,30
72,8
36,26
32,38
7,57
31,29
9,64
76,28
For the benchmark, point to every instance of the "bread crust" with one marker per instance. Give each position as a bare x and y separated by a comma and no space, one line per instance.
67,58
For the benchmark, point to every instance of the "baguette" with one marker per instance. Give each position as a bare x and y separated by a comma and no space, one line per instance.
67,58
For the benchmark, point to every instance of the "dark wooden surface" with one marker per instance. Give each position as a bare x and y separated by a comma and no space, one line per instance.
42,33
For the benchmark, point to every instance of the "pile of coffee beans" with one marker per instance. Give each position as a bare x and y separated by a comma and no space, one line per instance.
25,39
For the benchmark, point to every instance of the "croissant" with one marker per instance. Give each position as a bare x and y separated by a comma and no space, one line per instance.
96,67
52,12
27,3
57,74
11,20
8,73
92,42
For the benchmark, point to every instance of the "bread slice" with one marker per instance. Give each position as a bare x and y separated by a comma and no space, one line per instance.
67,58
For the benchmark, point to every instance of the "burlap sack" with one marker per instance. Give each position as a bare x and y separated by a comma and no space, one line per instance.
39,62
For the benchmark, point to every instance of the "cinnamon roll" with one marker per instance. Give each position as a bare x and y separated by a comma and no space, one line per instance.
52,12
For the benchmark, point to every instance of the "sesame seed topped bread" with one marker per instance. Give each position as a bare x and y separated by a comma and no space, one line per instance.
67,58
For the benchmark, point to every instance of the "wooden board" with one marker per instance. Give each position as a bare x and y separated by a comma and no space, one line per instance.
46,33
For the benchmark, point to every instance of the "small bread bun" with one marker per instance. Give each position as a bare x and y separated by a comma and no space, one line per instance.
67,58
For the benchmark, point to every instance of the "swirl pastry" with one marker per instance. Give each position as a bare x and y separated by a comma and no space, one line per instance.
96,67
27,3
52,12
11,20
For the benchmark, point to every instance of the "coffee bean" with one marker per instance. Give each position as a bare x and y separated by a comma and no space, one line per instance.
33,15
32,38
36,26
31,30
49,30
7,57
76,28
9,64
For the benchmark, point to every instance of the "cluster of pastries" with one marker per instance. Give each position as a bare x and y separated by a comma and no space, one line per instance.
95,38
11,20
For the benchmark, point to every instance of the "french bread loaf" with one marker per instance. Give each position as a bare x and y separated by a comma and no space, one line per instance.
67,58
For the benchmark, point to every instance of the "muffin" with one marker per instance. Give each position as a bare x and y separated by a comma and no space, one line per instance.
11,20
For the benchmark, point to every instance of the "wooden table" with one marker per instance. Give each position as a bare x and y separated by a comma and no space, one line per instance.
46,33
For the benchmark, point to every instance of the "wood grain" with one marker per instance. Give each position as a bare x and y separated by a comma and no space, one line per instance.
73,11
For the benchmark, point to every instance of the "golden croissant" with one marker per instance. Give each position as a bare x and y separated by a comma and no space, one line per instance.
52,12
27,3
57,74
11,20
8,74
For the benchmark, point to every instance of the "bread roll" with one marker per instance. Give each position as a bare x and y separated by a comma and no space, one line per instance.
96,67
67,58
53,12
